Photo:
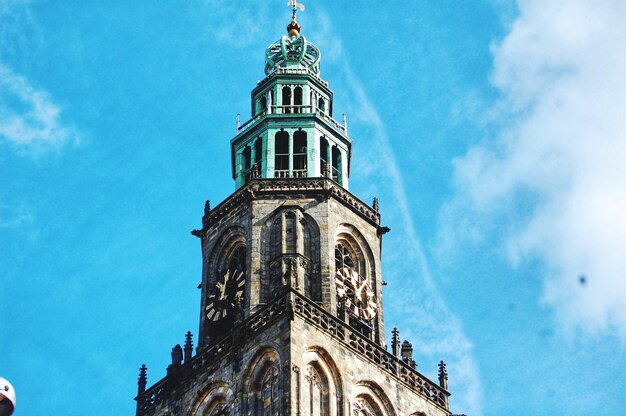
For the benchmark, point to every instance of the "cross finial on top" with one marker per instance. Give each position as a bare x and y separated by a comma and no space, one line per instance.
295,5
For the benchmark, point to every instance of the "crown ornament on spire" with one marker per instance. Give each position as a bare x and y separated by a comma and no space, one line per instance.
293,50
293,29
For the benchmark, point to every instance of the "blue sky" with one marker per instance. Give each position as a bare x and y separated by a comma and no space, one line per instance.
493,133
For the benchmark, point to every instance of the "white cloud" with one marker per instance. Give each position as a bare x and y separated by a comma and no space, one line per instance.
28,118
554,180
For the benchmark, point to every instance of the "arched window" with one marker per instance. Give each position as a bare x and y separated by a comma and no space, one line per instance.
316,392
370,400
269,403
287,100
219,407
297,99
281,152
214,401
247,162
290,232
324,155
237,260
321,105
343,257
364,407
290,253
299,154
263,384
352,306
258,152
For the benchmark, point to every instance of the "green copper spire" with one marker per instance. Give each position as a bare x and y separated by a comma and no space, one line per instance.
292,132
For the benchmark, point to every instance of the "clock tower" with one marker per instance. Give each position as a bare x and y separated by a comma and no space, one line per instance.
291,316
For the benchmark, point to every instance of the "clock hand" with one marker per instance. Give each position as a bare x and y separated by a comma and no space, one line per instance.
360,289
222,286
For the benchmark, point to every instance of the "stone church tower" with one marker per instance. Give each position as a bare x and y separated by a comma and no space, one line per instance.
291,317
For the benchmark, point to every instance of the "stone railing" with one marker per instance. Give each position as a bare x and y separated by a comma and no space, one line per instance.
332,121
291,110
211,356
295,173
392,365
291,304
250,122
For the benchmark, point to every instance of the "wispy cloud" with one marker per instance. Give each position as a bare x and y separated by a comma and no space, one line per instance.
30,121
553,180
28,118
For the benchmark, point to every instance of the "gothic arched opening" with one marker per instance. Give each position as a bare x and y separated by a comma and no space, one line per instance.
321,105
265,384
355,281
324,156
286,99
320,385
371,400
299,154
281,154
246,162
258,152
290,254
297,99
214,401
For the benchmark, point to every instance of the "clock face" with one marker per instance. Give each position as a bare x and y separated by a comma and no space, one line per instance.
355,293
226,293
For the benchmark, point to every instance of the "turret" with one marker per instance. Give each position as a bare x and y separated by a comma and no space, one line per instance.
291,132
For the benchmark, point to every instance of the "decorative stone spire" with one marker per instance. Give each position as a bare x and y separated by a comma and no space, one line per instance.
375,204
443,375
177,355
207,211
395,342
143,379
188,346
407,354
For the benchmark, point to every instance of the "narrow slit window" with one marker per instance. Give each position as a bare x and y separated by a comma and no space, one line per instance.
299,154
323,155
281,160
287,100
297,100
258,152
